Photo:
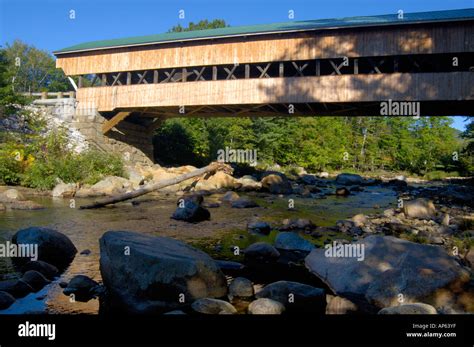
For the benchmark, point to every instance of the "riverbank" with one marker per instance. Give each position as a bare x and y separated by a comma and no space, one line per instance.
291,216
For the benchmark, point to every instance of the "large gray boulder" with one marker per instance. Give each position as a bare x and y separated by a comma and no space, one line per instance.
145,274
54,247
266,306
390,267
349,179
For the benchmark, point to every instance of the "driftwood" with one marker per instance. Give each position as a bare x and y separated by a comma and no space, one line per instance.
210,169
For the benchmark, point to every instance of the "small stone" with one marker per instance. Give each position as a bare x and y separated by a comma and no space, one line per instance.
342,192
241,287
266,306
259,227
244,203
86,252
213,306
6,300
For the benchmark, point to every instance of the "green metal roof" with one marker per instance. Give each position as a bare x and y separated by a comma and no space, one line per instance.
318,24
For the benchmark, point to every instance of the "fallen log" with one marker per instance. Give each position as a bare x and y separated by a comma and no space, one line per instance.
210,169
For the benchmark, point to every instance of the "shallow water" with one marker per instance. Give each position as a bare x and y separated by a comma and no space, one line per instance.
226,228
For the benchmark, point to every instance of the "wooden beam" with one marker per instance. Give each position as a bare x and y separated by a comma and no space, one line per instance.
142,77
247,71
214,73
155,76
116,79
199,74
230,73
263,72
281,70
129,78
114,121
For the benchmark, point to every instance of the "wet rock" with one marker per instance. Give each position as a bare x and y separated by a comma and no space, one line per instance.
82,287
220,180
340,305
415,308
172,268
419,208
260,227
244,203
6,300
35,279
63,284
261,251
53,247
213,306
308,179
399,228
266,306
190,210
241,287
291,241
349,179
249,183
16,288
11,195
47,270
295,296
64,190
390,266
276,184
230,196
397,184
25,205
227,265
297,224
342,192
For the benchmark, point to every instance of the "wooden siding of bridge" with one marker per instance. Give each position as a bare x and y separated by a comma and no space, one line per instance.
327,89
413,39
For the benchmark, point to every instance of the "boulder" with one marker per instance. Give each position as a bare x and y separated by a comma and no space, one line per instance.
190,210
53,247
82,287
298,224
260,227
2,207
390,266
47,270
323,174
220,180
244,203
261,251
291,241
347,179
11,195
16,288
213,306
415,308
35,279
112,185
308,179
156,272
134,176
359,220
25,205
227,265
6,300
419,208
230,196
276,184
248,183
295,296
64,190
241,287
266,306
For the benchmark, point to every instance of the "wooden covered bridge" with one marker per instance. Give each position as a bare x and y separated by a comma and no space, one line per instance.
319,67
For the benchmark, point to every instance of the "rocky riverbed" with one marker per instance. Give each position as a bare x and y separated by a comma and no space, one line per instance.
255,244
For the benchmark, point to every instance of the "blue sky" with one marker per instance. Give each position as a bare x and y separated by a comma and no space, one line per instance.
46,23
